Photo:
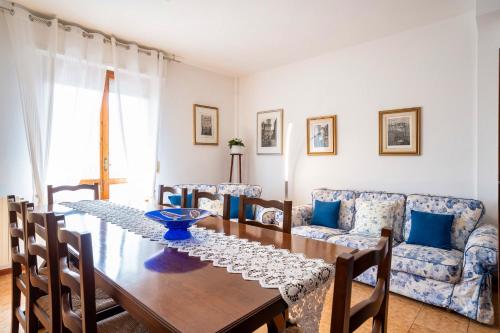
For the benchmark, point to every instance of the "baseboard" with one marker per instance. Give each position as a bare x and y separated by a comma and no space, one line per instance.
5,271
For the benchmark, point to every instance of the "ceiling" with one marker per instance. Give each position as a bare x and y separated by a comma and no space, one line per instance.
239,37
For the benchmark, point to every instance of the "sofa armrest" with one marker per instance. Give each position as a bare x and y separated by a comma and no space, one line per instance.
301,215
480,254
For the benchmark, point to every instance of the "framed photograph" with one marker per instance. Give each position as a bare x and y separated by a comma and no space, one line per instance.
399,132
322,135
205,125
270,132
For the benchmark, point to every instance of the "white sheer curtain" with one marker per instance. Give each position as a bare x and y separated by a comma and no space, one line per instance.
79,82
61,73
139,78
34,47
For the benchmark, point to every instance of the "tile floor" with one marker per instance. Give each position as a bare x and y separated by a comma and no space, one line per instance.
405,315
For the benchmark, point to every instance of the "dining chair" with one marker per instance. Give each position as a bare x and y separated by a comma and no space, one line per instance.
346,318
80,281
168,189
43,289
51,190
17,216
285,206
44,307
214,197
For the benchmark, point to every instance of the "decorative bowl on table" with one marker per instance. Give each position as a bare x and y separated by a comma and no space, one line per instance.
177,220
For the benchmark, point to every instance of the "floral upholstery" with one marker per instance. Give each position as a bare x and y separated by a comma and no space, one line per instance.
200,187
354,241
252,191
473,295
236,189
429,262
301,215
316,231
372,216
213,206
422,289
346,214
467,214
399,212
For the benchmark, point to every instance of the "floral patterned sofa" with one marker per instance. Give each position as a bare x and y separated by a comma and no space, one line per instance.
459,279
234,189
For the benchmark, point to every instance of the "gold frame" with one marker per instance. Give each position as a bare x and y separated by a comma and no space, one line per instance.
257,129
381,114
194,125
334,134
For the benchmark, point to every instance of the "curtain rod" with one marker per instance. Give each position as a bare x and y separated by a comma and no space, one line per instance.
88,33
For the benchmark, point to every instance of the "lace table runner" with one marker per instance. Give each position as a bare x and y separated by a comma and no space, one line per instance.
302,282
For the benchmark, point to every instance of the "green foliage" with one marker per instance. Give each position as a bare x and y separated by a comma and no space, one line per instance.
235,142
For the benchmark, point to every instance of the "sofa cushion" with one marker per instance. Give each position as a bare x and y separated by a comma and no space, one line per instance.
346,215
354,241
399,210
372,216
316,231
176,200
467,213
429,262
235,209
429,229
326,213
213,206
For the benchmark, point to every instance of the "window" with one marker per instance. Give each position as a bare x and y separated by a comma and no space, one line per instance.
86,144
109,175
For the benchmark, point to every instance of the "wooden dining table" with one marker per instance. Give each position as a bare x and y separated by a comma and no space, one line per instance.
170,291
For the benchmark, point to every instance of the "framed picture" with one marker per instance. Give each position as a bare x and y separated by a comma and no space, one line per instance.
270,132
322,135
205,125
399,132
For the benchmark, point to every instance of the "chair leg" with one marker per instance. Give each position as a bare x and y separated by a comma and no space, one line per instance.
278,324
32,324
16,303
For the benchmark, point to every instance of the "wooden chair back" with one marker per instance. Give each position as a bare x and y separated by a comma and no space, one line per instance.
17,217
168,189
346,318
285,206
225,199
81,283
51,190
43,226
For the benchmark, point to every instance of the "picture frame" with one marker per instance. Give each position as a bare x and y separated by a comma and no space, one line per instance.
322,135
205,125
399,132
270,132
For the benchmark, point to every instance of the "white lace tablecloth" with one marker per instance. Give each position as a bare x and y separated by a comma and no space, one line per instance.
302,282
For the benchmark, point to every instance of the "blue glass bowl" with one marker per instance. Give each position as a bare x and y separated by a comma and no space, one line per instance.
177,220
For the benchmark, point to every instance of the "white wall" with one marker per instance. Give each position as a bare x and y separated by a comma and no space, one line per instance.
180,160
488,23
433,67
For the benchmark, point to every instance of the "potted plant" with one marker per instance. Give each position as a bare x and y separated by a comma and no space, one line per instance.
236,145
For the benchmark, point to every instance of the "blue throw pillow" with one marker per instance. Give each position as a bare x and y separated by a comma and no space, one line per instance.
431,229
235,207
176,199
326,213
